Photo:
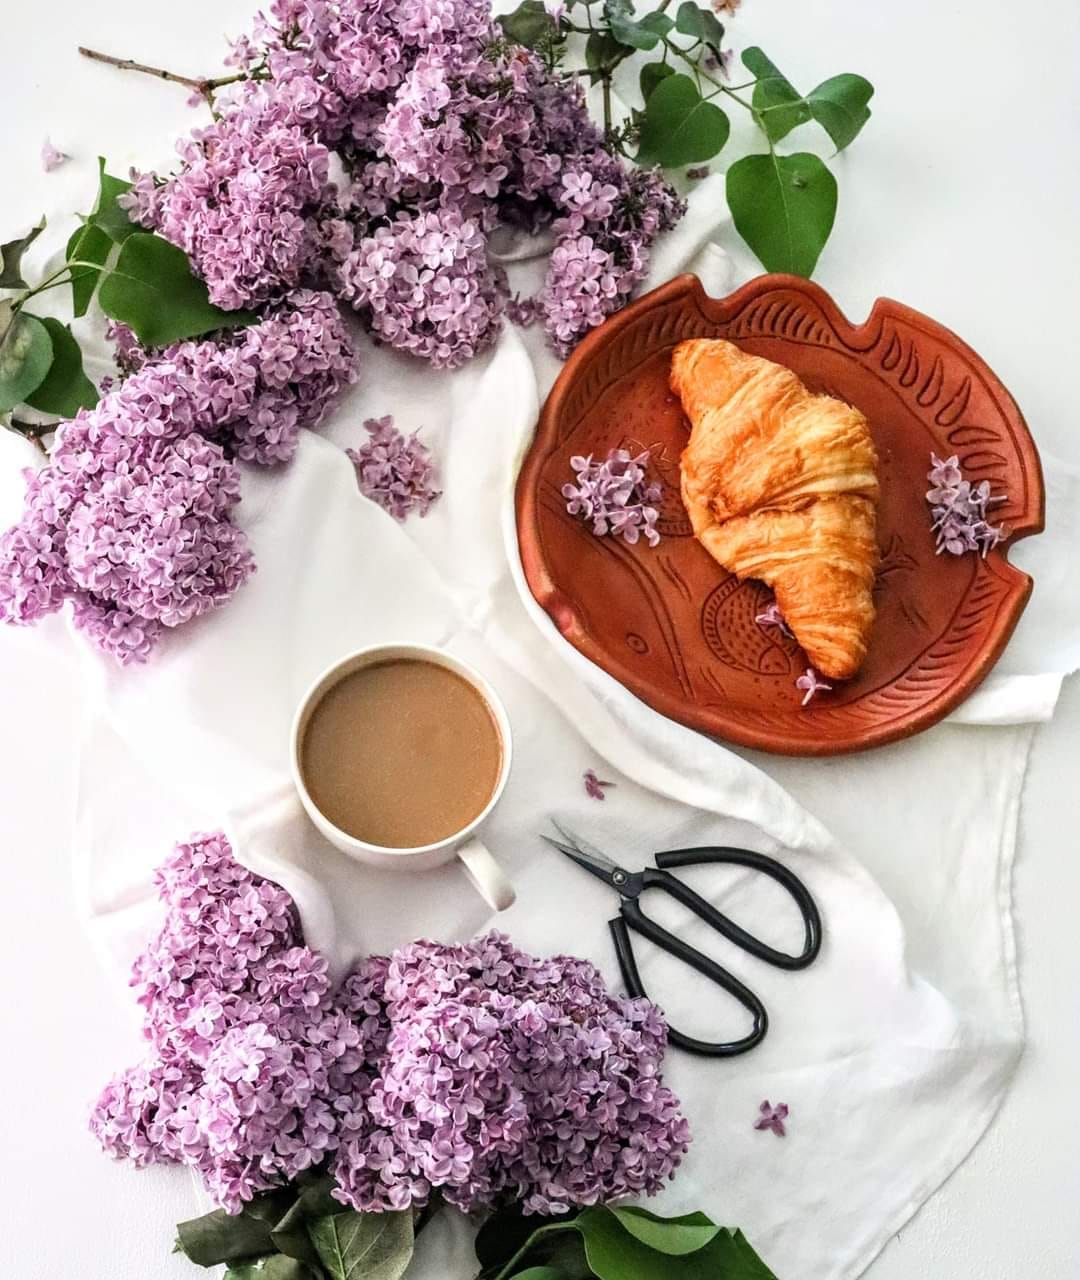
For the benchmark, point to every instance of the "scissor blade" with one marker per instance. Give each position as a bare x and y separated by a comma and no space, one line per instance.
584,854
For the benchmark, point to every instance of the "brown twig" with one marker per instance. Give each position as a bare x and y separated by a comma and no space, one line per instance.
33,432
204,85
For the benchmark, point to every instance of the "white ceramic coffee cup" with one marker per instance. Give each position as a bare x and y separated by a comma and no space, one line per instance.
481,867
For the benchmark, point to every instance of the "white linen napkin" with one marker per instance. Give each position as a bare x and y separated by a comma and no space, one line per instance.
893,1051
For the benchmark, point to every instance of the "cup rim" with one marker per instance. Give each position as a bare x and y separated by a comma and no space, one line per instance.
403,649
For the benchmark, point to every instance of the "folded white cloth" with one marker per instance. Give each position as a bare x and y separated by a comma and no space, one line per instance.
892,1052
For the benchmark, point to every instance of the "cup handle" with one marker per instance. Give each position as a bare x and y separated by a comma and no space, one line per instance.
486,875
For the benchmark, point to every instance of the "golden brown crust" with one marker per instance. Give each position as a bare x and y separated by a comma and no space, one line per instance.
781,485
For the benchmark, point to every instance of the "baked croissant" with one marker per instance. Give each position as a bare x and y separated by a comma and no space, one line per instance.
781,485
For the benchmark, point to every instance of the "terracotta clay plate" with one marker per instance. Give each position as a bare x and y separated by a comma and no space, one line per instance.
677,630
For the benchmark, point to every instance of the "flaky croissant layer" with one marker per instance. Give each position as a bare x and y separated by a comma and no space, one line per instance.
781,485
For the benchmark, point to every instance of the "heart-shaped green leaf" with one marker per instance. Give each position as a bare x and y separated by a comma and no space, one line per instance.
363,1246
680,127
651,74
540,1273
839,106
25,356
685,1234
11,255
529,24
783,207
151,288
629,31
700,22
601,52
88,244
107,214
780,106
65,389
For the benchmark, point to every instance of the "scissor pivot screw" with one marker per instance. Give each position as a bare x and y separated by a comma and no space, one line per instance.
619,877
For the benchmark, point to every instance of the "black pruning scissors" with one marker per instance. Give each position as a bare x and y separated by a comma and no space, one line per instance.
630,885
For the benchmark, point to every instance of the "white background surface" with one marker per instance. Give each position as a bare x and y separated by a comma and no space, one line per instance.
961,199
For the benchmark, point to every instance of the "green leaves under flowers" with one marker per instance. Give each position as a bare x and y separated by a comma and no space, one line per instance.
626,1243
274,1267
700,22
680,127
65,389
363,1246
90,245
224,1237
838,105
529,24
783,207
107,214
300,1233
11,258
151,288
26,351
687,1234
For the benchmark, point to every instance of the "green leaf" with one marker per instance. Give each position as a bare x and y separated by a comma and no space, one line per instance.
783,207
274,1267
66,389
839,106
88,243
363,1246
680,127
540,1273
505,1232
107,214
628,31
529,24
651,74
602,50
733,1258
223,1237
151,288
685,1234
780,106
11,258
701,23
25,356
290,1234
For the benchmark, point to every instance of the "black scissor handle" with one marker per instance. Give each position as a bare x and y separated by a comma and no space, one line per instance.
632,917
675,888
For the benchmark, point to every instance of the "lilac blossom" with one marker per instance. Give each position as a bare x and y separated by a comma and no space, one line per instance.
959,510
615,495
771,616
425,286
476,1070
810,683
773,1118
394,470
131,519
594,786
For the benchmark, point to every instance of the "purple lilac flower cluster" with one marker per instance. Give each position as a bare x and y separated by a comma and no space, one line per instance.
477,1070
394,470
615,495
959,509
131,518
445,130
